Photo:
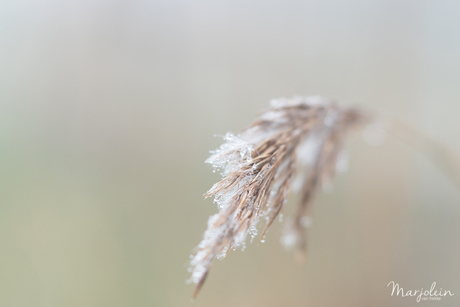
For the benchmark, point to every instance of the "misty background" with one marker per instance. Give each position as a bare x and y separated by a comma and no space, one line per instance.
108,111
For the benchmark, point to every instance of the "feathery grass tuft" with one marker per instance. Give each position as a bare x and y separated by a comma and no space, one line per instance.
297,142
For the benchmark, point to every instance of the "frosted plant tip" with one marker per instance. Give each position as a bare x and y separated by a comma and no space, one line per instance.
296,140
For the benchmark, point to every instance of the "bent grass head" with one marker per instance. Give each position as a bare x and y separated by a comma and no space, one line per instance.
297,142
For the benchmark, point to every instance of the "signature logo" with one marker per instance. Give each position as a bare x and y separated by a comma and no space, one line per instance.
421,295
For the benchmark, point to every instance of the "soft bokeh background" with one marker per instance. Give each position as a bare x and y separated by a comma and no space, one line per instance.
108,111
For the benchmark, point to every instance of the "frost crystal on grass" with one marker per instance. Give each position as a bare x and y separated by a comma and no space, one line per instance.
231,154
299,137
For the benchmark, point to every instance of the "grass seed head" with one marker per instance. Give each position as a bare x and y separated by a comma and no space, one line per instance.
299,138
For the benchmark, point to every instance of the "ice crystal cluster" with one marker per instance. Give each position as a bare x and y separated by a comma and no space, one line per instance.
296,143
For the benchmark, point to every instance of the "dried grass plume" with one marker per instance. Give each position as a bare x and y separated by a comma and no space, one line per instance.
297,143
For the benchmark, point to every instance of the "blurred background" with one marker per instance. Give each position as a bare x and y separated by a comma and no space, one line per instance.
108,111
